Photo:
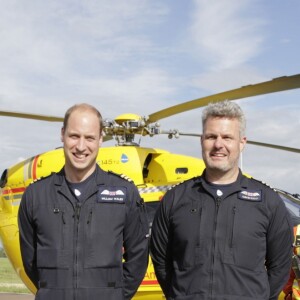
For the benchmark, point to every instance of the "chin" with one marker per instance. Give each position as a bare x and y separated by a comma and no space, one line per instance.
79,166
220,169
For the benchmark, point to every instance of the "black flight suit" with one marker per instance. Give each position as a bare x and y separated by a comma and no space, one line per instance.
73,250
236,246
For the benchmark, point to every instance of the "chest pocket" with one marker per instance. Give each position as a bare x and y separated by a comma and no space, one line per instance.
54,236
105,220
187,243
246,236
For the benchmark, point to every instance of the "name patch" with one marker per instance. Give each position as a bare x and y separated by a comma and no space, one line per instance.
112,194
250,195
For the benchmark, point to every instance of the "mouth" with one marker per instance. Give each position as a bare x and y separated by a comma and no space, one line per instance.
217,155
79,156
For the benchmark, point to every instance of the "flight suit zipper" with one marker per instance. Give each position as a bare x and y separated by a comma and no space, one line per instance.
199,233
232,227
63,230
77,245
218,203
198,242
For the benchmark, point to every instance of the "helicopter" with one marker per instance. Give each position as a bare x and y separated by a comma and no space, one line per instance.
152,170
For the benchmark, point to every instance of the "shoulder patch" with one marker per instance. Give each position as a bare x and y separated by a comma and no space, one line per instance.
254,196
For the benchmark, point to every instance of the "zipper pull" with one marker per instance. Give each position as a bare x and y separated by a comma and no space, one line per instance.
63,218
90,217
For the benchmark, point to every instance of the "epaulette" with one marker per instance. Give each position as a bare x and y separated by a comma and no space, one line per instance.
263,183
181,182
122,176
34,180
174,185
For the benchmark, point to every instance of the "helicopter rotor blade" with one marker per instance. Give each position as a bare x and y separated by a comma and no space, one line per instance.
272,86
176,134
289,149
30,116
40,118
276,85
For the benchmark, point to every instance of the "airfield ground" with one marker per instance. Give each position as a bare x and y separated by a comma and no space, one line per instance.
6,296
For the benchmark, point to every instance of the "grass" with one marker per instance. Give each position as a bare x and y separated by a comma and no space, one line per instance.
9,280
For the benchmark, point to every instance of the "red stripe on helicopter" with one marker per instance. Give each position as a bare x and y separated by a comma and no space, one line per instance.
149,282
34,167
13,191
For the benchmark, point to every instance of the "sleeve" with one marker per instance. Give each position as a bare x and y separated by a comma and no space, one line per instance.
27,237
136,254
160,246
279,248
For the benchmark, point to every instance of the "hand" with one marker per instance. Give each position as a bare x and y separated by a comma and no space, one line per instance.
288,296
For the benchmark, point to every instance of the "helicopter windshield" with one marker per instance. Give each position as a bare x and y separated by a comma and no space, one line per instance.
293,206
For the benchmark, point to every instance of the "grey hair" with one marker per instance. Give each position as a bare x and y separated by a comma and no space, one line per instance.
225,109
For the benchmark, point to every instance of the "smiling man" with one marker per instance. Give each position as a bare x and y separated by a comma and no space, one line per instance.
77,225
222,236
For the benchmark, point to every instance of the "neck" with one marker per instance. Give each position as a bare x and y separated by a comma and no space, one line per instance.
219,177
76,176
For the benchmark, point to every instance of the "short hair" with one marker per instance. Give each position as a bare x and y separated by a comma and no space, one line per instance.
225,109
83,107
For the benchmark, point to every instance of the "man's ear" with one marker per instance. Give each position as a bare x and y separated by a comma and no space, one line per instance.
62,132
243,143
201,139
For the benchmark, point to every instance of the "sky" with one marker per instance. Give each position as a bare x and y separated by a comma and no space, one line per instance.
140,56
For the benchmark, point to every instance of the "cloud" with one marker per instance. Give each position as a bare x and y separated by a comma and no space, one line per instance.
224,35
227,79
142,56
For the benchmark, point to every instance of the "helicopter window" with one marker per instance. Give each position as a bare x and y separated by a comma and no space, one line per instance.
293,208
146,164
3,179
133,124
181,170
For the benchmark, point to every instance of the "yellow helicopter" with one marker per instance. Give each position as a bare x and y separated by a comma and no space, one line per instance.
152,170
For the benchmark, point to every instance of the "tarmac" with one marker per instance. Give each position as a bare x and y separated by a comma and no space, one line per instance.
6,296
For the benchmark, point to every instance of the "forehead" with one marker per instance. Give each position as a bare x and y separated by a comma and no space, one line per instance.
86,118
221,124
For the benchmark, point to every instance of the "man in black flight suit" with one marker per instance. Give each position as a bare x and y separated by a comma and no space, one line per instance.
222,236
77,225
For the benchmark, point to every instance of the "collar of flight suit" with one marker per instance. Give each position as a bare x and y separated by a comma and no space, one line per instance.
242,183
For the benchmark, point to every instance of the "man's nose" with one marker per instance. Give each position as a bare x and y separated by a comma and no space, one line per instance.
219,142
80,144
